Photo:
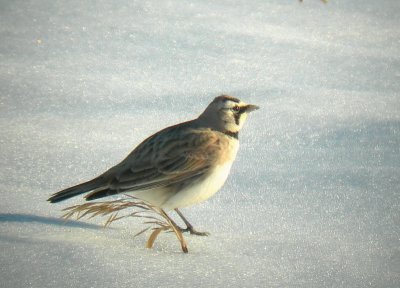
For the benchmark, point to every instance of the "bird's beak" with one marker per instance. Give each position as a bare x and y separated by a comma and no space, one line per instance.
250,107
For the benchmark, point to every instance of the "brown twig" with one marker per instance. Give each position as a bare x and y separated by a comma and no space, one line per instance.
157,219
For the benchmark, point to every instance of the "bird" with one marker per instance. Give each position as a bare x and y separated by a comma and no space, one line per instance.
178,166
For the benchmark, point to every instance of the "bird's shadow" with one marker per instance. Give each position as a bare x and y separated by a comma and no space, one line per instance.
30,218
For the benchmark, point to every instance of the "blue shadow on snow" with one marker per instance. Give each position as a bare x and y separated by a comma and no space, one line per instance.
29,218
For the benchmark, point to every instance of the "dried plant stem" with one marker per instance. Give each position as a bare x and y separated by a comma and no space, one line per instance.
153,237
177,231
157,219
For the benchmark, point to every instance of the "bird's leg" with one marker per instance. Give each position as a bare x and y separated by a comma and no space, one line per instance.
189,227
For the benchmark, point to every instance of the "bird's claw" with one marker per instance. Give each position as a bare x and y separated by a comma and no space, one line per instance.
192,231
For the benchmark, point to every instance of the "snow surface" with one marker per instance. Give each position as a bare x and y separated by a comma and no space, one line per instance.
313,198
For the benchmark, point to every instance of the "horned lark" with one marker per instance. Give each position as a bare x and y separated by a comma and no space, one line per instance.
178,166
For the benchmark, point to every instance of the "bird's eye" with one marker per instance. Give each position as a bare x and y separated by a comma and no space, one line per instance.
235,108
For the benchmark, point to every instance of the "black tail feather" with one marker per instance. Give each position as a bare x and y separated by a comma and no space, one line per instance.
76,190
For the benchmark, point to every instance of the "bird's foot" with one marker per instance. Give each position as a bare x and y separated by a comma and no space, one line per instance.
193,231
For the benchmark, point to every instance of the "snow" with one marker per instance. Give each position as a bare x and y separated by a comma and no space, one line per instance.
313,197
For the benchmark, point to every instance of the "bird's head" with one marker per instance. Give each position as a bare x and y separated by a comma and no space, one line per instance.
226,114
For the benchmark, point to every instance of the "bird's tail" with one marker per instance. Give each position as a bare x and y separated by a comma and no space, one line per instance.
78,189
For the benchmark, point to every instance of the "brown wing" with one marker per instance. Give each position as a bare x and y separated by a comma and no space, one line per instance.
164,173
166,158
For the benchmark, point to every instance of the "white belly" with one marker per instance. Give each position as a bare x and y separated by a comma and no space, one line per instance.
201,190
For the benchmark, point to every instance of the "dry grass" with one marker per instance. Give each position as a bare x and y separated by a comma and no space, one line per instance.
155,218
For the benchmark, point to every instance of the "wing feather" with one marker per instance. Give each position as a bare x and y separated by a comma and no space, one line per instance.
166,159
